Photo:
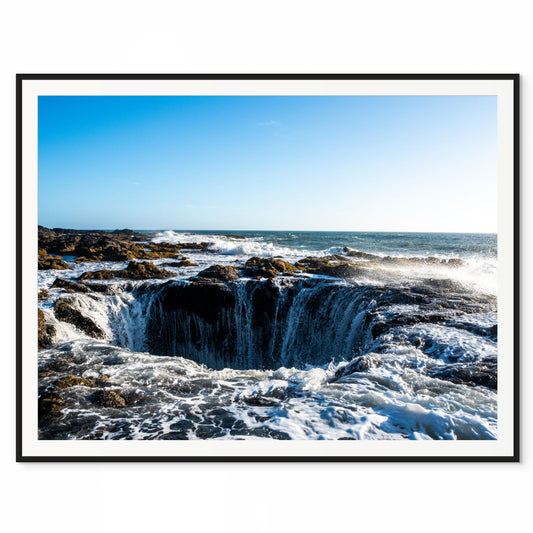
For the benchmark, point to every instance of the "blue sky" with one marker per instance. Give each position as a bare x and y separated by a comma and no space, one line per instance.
346,163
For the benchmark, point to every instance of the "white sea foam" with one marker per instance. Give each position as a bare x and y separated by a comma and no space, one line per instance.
174,394
231,246
477,271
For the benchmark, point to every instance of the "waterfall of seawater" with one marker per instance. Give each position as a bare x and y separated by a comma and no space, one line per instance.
250,324
260,325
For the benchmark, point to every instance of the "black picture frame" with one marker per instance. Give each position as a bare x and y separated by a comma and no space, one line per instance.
514,78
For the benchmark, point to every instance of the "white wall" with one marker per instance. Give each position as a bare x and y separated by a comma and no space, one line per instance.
245,36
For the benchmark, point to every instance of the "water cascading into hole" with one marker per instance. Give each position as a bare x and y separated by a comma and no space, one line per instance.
260,325
252,324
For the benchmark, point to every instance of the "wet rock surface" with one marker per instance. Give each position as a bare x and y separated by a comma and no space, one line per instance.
454,262
45,332
64,311
258,267
50,404
95,245
134,271
43,294
337,266
77,381
181,264
220,273
74,381
484,373
69,286
72,286
108,398
51,262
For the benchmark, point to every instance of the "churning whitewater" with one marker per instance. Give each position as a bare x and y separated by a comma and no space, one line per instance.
267,335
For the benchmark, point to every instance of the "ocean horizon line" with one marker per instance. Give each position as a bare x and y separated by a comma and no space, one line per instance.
272,230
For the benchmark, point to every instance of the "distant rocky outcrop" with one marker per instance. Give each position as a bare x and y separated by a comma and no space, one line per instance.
231,236
360,255
118,245
454,262
119,249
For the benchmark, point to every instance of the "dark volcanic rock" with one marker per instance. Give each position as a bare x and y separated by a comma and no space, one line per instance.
455,262
267,267
192,319
402,260
337,266
181,264
108,398
94,245
60,363
43,293
69,286
203,246
134,270
74,381
45,233
127,232
220,273
50,404
264,301
100,287
340,271
165,249
51,262
45,332
65,312
360,255
313,263
72,286
57,241
100,274
484,373
206,300
144,270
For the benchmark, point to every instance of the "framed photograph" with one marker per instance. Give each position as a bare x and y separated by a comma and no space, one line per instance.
268,267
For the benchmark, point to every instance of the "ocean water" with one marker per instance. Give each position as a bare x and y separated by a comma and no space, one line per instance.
402,351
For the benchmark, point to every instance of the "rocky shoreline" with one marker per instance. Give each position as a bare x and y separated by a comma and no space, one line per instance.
86,246
206,304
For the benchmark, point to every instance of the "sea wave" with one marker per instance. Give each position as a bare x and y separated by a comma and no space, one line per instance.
228,245
478,270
